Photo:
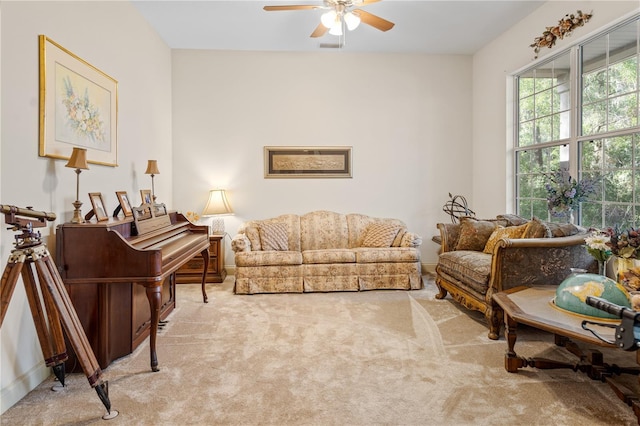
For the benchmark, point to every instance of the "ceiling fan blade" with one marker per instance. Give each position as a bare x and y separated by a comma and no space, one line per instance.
368,2
374,21
319,31
291,7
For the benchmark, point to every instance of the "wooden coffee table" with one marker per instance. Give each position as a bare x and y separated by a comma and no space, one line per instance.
533,307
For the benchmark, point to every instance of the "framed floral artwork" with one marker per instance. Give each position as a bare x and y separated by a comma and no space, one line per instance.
78,106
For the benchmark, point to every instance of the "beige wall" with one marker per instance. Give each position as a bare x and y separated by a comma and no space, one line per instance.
113,37
407,117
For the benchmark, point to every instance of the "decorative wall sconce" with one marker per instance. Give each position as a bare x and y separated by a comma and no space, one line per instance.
217,205
152,169
78,161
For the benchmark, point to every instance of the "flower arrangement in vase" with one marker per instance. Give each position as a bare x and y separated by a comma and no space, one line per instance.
565,193
597,246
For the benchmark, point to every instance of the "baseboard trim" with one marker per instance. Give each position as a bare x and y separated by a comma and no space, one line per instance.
17,390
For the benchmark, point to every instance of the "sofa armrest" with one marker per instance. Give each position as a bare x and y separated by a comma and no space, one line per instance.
537,261
240,243
410,239
449,235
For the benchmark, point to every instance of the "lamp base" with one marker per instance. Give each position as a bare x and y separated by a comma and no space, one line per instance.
217,226
77,214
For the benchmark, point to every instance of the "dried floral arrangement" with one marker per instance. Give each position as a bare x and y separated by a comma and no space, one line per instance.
564,28
565,193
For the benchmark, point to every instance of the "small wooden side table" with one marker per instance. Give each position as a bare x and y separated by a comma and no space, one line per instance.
191,272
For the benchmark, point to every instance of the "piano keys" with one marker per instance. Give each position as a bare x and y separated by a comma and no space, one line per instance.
120,275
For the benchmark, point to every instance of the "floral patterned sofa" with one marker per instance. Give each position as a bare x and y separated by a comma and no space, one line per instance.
325,251
481,257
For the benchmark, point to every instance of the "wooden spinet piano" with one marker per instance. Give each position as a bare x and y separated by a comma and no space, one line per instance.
108,267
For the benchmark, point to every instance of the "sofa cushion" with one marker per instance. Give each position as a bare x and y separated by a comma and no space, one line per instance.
387,255
500,233
273,236
470,267
267,258
397,241
321,230
328,256
474,233
380,234
536,229
359,224
253,235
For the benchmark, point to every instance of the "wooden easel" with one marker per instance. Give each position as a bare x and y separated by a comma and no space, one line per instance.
50,306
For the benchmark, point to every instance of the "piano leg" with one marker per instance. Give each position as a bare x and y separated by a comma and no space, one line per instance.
154,295
205,258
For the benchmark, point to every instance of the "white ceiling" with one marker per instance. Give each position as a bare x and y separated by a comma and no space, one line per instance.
426,26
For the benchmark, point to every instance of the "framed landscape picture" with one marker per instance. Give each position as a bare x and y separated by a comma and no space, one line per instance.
78,106
307,162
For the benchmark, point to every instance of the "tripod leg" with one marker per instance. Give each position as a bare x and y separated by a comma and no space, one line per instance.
53,284
49,333
9,279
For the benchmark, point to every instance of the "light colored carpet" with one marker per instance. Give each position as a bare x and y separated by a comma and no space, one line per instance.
369,358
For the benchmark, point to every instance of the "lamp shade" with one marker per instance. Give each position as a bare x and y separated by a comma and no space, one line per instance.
352,20
152,168
217,204
78,159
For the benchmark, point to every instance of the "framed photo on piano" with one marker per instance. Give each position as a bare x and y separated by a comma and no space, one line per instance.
125,205
99,209
145,194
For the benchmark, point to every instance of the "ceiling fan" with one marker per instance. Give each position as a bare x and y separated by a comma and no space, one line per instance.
340,13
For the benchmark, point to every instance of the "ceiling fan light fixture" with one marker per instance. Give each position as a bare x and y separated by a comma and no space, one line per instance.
352,20
329,18
336,28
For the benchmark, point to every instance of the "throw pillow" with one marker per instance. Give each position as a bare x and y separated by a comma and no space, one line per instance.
512,219
508,232
536,229
397,241
380,234
474,233
562,229
273,236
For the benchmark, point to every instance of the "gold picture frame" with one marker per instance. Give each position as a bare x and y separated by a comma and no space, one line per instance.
145,196
125,204
99,208
307,162
78,106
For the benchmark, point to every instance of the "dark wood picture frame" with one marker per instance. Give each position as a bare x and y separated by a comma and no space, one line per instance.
307,161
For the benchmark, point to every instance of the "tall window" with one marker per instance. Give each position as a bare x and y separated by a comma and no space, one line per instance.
594,132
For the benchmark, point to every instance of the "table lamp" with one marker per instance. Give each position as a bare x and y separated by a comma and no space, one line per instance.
78,161
152,169
217,205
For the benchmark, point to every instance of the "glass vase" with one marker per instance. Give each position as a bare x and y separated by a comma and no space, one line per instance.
602,267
